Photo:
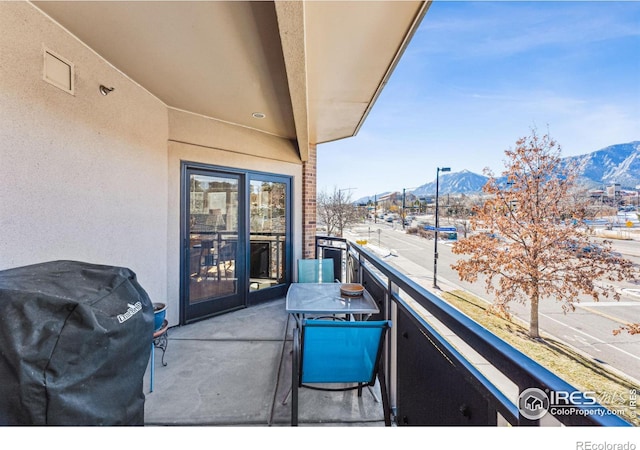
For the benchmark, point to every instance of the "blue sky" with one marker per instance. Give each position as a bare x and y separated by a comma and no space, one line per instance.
479,75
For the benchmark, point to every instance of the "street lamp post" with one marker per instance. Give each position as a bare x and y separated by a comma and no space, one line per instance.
435,243
375,208
404,215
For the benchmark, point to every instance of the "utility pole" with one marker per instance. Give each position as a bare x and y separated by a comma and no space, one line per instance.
403,215
375,208
435,243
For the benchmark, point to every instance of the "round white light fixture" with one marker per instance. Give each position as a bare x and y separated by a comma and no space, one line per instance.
259,115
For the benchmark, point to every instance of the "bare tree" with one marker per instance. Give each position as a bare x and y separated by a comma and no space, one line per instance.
460,209
533,247
337,211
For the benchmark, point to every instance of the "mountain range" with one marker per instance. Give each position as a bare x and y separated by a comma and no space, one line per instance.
618,163
615,164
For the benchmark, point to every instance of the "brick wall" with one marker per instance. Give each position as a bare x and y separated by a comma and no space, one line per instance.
309,185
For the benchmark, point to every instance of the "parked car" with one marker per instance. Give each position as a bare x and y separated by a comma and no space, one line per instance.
589,249
495,236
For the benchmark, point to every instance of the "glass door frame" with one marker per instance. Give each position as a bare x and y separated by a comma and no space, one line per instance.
246,298
280,290
201,310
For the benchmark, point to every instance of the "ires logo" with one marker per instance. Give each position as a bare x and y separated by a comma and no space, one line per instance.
534,403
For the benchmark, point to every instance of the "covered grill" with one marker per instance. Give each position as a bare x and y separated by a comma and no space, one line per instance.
74,345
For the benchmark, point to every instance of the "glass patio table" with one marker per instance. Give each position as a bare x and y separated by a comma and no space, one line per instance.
318,299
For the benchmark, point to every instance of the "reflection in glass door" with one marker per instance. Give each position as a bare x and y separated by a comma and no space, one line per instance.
213,264
268,234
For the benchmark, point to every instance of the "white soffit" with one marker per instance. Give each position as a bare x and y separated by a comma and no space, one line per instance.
220,59
314,72
352,49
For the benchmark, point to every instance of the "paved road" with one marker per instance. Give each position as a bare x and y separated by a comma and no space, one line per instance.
588,328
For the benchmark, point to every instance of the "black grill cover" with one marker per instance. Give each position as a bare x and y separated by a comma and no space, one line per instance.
75,340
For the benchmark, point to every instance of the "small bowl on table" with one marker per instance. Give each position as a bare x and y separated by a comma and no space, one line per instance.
352,289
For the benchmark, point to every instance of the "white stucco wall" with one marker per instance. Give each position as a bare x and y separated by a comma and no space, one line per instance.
97,178
82,176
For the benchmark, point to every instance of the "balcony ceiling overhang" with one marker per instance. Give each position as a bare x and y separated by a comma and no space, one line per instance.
314,69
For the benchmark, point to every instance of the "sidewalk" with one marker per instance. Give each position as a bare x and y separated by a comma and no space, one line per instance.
421,275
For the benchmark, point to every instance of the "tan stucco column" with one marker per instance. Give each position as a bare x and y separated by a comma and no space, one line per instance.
309,186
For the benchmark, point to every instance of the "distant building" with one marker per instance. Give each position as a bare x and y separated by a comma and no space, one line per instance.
613,190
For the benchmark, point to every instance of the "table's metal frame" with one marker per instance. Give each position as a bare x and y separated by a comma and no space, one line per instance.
325,299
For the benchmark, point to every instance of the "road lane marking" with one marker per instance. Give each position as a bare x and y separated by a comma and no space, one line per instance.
405,242
606,316
593,337
631,292
582,340
599,304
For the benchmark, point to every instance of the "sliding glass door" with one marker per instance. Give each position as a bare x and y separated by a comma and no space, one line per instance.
212,281
236,239
269,236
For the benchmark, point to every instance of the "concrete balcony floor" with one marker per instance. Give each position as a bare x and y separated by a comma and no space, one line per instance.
235,370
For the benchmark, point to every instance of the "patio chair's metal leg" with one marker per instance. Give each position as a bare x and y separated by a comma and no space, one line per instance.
385,396
294,407
294,379
286,397
153,363
373,394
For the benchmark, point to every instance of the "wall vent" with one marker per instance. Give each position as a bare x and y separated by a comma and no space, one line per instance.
58,71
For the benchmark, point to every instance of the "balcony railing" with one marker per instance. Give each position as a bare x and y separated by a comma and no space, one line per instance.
442,368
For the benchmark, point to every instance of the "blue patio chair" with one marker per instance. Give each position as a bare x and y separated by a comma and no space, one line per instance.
345,355
315,271
312,270
308,270
326,271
